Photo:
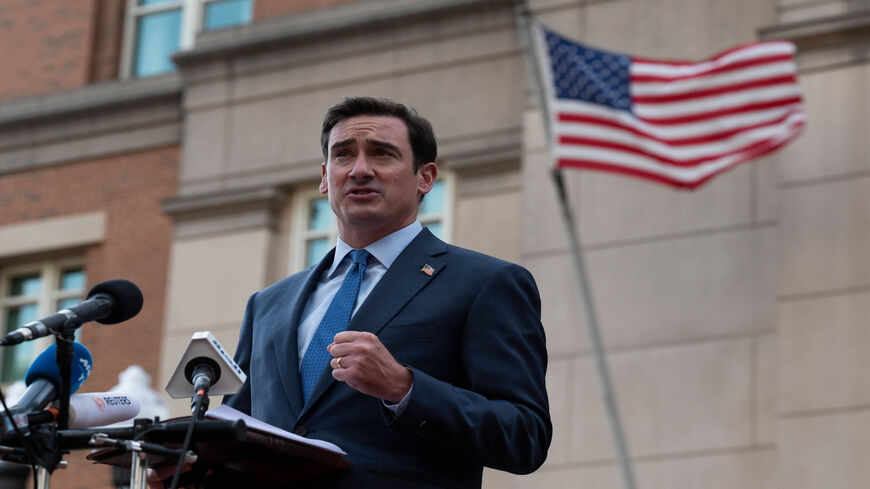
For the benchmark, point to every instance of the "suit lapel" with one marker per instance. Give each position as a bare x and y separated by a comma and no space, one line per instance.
287,332
402,281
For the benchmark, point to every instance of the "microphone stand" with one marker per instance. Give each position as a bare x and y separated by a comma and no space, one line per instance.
43,478
139,451
65,357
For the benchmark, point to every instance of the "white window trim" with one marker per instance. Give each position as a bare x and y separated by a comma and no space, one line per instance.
191,25
300,233
449,179
46,303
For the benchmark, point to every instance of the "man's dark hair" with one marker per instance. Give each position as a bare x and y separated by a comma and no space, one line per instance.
420,133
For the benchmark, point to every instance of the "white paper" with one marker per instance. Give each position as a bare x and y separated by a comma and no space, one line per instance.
227,413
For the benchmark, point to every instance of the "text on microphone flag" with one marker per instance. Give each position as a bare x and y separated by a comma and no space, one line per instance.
679,123
85,371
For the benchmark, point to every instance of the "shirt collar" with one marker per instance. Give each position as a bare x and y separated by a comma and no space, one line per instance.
385,250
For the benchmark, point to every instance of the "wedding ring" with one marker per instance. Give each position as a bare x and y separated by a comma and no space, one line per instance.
338,362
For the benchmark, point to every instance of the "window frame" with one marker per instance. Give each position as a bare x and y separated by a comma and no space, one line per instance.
300,234
192,17
446,216
49,270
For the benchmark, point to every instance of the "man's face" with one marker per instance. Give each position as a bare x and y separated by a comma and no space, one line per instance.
370,180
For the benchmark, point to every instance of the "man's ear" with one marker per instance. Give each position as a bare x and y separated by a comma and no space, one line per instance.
426,176
324,188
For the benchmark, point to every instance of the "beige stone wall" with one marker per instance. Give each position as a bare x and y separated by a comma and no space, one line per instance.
823,337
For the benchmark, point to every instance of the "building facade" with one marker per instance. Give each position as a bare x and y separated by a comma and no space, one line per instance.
734,316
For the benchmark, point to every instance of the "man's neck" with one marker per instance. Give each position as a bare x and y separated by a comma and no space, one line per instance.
360,238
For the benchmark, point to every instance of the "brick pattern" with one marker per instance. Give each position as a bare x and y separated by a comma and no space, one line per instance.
264,9
129,188
46,45
108,36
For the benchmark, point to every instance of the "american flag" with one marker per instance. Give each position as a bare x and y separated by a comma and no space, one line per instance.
679,123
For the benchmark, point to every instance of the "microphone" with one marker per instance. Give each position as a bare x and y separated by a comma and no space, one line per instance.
43,382
107,303
43,377
205,366
101,408
91,410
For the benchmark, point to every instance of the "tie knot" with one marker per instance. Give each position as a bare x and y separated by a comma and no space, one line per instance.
359,256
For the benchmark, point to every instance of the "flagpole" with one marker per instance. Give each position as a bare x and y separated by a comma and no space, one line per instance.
595,334
524,29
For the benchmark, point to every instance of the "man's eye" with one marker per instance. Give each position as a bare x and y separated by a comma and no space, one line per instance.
382,152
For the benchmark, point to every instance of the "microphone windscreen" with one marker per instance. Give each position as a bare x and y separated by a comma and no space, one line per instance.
101,408
45,367
126,296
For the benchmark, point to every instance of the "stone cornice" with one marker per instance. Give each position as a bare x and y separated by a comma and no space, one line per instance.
222,202
825,30
225,211
92,98
826,42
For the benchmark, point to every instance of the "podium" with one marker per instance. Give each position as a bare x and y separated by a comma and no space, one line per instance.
246,455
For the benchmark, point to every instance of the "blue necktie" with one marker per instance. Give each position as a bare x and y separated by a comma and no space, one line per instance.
334,321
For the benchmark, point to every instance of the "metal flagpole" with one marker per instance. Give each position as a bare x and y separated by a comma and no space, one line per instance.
524,28
595,335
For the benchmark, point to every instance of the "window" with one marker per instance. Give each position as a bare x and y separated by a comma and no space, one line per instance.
317,230
158,28
29,292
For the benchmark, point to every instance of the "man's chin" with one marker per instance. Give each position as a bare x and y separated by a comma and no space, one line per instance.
364,218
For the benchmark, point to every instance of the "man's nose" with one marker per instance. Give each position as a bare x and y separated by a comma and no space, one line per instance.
361,167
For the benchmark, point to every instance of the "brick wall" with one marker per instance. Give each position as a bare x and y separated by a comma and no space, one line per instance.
46,45
129,188
108,33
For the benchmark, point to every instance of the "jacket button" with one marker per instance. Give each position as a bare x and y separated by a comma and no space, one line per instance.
300,430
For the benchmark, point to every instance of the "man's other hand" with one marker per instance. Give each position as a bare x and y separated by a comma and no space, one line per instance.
360,360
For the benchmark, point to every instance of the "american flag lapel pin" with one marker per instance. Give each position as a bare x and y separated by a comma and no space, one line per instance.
427,269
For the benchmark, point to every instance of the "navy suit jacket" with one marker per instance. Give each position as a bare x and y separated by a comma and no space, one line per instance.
471,334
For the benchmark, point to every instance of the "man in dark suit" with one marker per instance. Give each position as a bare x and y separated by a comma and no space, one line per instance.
425,362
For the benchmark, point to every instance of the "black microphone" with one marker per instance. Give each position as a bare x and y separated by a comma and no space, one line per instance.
202,372
107,303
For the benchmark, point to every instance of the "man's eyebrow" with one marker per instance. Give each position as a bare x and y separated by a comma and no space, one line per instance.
343,142
372,142
384,144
